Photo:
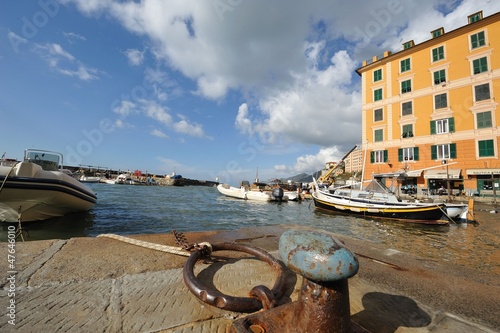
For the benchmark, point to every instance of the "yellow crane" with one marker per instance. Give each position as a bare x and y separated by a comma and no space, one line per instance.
326,177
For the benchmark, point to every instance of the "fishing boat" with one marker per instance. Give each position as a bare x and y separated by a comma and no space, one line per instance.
246,193
376,200
38,189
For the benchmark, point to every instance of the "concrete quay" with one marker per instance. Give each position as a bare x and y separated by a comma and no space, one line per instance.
105,285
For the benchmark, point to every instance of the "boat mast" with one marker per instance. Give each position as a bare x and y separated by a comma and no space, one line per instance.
363,170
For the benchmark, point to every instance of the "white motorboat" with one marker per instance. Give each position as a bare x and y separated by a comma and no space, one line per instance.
89,179
38,189
245,193
231,191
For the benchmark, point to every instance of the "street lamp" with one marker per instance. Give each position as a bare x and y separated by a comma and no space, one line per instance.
444,162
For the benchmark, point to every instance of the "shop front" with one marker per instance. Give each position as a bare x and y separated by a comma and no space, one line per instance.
441,181
487,181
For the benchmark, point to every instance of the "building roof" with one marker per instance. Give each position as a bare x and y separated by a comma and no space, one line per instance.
426,44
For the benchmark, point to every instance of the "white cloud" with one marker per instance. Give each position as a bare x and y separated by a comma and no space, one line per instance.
125,108
135,57
186,128
242,121
293,60
158,133
158,113
64,62
312,163
73,37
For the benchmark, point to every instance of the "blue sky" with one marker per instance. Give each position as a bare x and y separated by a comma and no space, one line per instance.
206,88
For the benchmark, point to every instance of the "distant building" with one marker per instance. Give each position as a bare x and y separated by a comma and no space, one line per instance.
354,161
434,104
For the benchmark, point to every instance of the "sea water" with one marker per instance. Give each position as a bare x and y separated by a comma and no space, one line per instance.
132,210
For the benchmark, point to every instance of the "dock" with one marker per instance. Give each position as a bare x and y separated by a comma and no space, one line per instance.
101,284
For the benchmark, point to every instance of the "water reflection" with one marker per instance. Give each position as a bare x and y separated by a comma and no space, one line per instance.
65,227
468,245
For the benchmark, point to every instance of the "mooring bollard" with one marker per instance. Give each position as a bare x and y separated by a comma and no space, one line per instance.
323,302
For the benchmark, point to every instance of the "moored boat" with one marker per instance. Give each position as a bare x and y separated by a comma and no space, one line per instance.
376,200
255,194
457,211
38,188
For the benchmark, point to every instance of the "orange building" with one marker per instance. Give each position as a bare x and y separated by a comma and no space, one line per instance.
431,109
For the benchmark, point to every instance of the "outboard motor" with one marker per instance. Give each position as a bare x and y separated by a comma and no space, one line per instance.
278,193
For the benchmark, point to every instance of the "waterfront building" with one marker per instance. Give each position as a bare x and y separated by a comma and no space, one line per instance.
354,161
430,109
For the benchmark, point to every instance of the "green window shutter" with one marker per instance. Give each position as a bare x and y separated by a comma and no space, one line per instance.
385,156
434,154
372,157
486,148
474,41
480,39
415,154
451,124
400,155
433,127
453,150
484,119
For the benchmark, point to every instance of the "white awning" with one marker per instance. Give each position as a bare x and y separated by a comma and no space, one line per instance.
415,173
441,174
482,171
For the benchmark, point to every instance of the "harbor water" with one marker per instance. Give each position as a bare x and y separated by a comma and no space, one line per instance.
132,210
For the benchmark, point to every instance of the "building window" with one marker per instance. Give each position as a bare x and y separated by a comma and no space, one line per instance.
407,131
405,86
405,65
407,108
442,152
480,65
408,154
475,17
437,32
477,40
378,156
440,101
438,53
379,135
483,119
377,94
482,92
442,126
439,76
377,75
486,148
378,115
409,44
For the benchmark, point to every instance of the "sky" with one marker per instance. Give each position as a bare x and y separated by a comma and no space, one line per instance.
232,89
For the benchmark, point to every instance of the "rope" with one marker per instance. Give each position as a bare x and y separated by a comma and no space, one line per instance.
153,246
7,176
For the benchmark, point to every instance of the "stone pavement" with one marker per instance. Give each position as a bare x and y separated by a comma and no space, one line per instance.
104,285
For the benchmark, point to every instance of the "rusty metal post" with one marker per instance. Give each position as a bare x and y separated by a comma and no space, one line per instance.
323,302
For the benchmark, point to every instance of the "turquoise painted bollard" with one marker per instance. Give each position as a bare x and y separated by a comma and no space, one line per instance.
317,256
323,302
325,264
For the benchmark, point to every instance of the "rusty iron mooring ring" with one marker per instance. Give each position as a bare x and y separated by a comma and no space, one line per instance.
261,295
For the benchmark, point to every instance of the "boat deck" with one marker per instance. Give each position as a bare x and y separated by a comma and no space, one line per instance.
105,285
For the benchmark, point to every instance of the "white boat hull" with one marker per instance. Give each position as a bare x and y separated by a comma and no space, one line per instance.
245,194
230,191
34,194
457,211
